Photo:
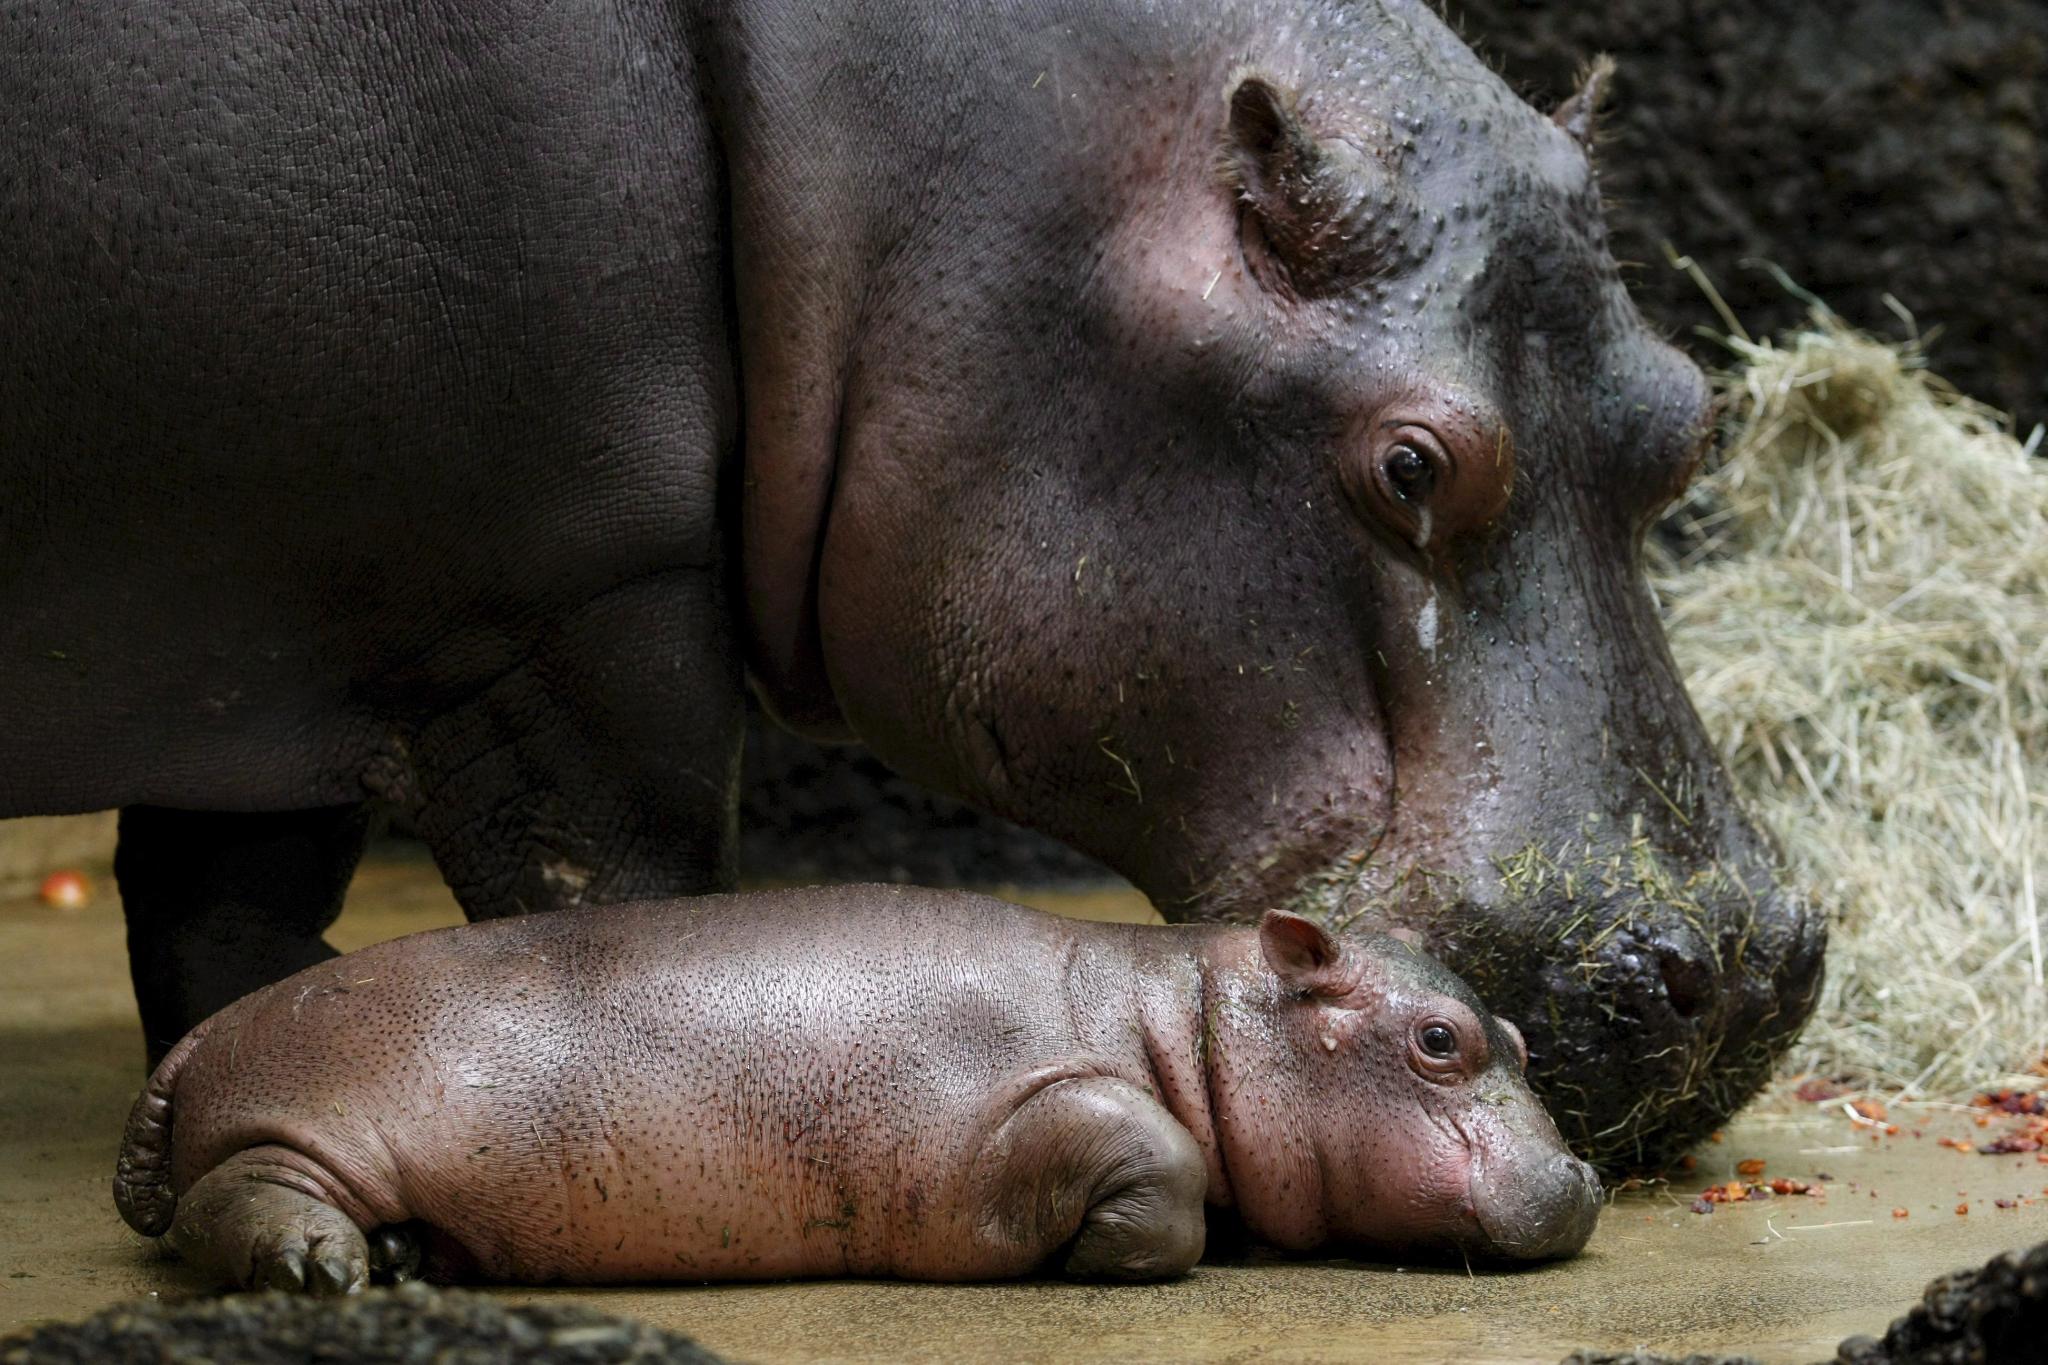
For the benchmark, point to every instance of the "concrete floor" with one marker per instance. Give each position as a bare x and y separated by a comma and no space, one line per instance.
1783,1281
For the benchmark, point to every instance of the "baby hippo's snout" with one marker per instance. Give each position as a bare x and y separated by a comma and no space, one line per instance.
1536,1210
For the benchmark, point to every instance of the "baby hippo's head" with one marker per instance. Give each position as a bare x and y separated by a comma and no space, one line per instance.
1365,1098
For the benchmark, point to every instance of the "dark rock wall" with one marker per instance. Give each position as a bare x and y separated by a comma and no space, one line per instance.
1865,146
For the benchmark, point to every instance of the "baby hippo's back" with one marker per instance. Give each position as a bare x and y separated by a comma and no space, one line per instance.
722,1088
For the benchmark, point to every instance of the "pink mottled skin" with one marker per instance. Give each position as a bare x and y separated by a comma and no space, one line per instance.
872,1081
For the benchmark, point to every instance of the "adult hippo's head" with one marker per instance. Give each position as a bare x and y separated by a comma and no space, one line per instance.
1218,436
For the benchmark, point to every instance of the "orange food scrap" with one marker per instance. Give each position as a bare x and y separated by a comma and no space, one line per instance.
1870,1111
2006,1203
1900,1213
1962,1209
1784,1186
1717,1136
1753,1166
66,890
1957,1144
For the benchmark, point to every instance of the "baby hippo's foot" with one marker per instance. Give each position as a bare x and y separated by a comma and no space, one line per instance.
251,1222
1104,1154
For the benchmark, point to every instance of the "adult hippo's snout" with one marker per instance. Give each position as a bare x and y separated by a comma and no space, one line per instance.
1676,1027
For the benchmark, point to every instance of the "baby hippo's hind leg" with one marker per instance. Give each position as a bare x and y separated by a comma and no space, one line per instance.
1106,1174
253,1221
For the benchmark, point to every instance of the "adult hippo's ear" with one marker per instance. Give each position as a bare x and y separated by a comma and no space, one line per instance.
1579,115
1319,213
1305,957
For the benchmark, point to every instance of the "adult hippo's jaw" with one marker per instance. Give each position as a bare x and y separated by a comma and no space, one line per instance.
1238,469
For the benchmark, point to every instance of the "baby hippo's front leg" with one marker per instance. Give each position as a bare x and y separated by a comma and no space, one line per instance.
1099,1168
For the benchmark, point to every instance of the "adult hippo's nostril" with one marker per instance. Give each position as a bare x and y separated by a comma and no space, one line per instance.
1688,981
1666,973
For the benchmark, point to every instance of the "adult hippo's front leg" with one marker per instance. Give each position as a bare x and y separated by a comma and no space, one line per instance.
604,769
219,903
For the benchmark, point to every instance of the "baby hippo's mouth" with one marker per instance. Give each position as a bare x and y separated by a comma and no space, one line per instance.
1534,1210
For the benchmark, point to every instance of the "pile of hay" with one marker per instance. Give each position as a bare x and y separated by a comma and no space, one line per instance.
1858,597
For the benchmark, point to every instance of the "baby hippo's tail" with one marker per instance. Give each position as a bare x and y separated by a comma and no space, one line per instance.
142,1177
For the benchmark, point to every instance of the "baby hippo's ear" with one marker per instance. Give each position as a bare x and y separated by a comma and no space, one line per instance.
1515,1036
1304,956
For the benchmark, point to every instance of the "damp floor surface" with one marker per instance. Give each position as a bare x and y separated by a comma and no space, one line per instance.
1782,1280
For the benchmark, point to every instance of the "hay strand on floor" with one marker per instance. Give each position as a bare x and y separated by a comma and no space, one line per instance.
1858,597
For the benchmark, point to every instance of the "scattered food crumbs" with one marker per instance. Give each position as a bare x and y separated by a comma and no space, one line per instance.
2018,1142
1869,1111
2006,1203
1740,1192
1958,1144
1717,1136
1962,1209
1753,1166
2014,1102
1900,1213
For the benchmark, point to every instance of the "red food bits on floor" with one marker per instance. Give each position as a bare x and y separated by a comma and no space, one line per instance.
66,890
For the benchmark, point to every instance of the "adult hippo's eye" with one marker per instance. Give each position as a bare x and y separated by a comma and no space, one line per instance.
1411,474
1439,1042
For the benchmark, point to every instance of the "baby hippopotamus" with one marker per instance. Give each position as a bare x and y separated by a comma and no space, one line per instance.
874,1081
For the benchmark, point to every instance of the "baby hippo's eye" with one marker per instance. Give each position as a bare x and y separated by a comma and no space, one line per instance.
1436,1049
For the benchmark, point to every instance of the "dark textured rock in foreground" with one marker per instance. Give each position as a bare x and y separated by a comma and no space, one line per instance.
1996,1313
1988,1316
412,1324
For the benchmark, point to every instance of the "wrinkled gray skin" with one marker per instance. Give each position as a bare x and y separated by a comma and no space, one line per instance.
853,1081
1212,433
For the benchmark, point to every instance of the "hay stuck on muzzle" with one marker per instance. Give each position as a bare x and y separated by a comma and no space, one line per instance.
1858,598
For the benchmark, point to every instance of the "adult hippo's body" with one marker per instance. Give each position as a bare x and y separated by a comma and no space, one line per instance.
1212,433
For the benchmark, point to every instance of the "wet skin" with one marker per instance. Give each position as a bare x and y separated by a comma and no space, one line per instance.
853,1081
1214,434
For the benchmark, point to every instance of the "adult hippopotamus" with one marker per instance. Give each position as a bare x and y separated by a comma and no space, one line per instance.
855,1081
1214,434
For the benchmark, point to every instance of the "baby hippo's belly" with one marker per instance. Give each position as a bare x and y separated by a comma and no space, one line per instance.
662,1203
